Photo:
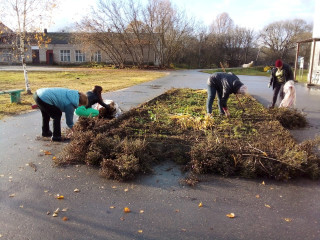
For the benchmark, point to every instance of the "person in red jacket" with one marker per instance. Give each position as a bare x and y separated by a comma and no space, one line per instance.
279,76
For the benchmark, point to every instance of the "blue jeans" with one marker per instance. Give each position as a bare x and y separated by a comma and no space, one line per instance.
211,96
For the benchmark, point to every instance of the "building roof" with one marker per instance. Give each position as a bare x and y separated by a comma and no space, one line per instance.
60,37
4,28
309,40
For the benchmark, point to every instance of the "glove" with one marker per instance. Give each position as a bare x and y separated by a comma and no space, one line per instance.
269,85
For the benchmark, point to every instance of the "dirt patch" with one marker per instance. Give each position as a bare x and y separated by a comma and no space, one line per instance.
174,127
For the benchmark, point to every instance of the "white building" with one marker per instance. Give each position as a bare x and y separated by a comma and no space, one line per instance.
314,69
314,66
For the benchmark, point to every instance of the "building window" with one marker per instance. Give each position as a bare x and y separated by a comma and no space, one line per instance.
80,56
97,56
65,55
6,56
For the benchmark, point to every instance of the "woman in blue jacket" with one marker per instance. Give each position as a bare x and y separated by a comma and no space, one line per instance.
223,84
52,102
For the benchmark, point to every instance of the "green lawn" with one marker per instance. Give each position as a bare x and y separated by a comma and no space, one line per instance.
84,80
258,71
254,71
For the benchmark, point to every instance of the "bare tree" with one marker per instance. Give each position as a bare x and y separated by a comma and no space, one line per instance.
120,30
279,38
129,30
222,24
168,27
28,16
230,43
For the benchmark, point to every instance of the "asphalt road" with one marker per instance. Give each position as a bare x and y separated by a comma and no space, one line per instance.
161,208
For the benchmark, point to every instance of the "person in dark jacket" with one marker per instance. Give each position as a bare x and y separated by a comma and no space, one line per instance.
94,96
223,84
279,76
52,102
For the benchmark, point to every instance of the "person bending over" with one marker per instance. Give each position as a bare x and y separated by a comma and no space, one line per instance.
94,96
223,84
52,102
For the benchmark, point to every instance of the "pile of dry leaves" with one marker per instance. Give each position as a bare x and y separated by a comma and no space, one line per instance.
174,126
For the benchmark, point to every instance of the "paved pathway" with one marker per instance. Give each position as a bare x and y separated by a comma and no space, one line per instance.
161,207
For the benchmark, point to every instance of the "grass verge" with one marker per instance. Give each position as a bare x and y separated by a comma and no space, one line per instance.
302,76
83,80
253,71
174,126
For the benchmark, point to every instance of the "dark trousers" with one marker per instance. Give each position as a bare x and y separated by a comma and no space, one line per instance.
277,88
49,111
211,96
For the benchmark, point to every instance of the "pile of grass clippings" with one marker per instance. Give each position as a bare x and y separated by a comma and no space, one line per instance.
174,126
289,118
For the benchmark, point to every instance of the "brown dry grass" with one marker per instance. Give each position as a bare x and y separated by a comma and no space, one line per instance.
172,126
82,80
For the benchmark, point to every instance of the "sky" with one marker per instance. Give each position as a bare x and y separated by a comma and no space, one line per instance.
252,14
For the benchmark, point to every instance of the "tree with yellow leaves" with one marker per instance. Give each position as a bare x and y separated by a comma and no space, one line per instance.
25,17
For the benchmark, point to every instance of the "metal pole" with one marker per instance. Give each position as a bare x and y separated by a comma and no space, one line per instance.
296,62
312,60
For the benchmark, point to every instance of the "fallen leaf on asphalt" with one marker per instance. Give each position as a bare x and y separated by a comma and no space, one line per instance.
1,175
114,187
76,190
54,158
231,215
112,207
64,210
57,210
126,190
46,191
126,210
47,153
257,196
32,165
177,210
21,206
60,196
140,231
288,219
12,195
48,213
266,205
200,204
263,183
55,215
183,229
141,211
65,219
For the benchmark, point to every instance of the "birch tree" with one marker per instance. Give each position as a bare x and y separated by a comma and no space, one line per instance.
26,17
